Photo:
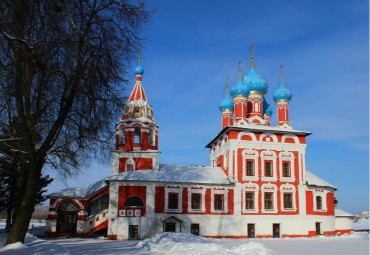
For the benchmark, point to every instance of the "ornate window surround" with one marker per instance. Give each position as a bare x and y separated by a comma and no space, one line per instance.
269,188
225,193
249,154
202,192
322,194
286,156
268,156
247,188
173,190
284,189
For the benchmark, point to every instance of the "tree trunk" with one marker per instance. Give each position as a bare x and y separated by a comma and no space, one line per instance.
27,204
9,216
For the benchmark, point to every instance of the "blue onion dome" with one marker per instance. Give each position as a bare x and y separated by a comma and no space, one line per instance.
227,103
282,93
239,89
267,109
139,70
255,82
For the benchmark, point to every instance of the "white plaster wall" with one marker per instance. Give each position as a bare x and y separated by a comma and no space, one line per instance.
342,223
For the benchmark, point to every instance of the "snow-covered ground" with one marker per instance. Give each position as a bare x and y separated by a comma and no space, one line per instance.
184,243
361,224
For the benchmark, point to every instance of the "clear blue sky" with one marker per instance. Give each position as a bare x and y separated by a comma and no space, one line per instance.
191,46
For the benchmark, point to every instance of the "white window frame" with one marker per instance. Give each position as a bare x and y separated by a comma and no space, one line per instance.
225,193
202,192
250,188
284,157
250,155
269,156
288,188
269,188
179,194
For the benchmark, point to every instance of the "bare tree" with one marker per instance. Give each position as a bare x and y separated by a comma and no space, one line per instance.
62,69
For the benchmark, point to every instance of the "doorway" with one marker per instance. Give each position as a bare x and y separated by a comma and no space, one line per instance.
251,231
275,230
318,228
133,232
67,218
170,227
194,229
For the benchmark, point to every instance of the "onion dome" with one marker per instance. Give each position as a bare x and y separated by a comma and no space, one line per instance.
139,70
239,89
267,109
282,93
227,103
253,80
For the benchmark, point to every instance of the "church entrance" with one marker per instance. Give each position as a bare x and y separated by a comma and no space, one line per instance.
170,227
318,228
251,231
67,218
172,224
276,230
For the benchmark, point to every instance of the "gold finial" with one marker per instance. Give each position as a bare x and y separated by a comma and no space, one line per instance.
252,57
227,85
240,69
281,73
141,47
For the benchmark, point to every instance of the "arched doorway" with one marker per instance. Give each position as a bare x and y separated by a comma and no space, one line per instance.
67,218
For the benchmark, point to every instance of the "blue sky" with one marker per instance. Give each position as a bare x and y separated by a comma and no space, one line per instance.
191,46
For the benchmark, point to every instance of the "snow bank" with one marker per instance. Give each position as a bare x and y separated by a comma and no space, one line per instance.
185,243
12,246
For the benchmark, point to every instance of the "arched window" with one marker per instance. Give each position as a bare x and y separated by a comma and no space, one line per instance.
68,207
137,135
130,167
134,201
98,205
318,203
121,135
151,137
219,202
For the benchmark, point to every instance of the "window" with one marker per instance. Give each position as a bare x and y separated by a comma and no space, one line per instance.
219,202
133,231
288,201
173,201
250,168
137,135
269,205
130,167
268,170
98,205
318,203
134,201
195,201
286,169
249,200
151,137
121,135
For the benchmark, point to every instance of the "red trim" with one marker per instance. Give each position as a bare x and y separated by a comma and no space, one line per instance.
112,237
343,231
236,237
98,227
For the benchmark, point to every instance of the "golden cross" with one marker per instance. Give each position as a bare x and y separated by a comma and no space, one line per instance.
252,57
281,73
240,69
141,48
227,85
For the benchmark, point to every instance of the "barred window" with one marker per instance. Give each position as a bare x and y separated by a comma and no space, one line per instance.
286,169
250,168
288,201
219,202
98,205
269,205
249,200
268,170
195,201
318,203
173,201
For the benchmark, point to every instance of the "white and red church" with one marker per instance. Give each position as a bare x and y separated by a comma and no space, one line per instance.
256,186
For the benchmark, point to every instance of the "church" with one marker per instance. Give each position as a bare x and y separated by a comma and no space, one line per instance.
256,186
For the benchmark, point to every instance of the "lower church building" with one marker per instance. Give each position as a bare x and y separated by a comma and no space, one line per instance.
257,184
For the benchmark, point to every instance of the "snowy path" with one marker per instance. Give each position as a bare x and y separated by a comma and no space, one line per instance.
182,243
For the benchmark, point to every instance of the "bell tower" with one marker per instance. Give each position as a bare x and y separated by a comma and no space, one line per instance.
136,132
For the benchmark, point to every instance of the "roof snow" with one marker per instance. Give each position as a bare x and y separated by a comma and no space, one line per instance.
176,174
84,191
314,180
342,213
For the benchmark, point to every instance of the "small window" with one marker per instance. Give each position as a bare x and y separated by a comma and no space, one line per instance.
288,201
269,205
151,137
137,135
195,201
121,135
268,170
249,200
173,201
194,229
130,167
219,202
250,168
318,203
286,169
134,201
